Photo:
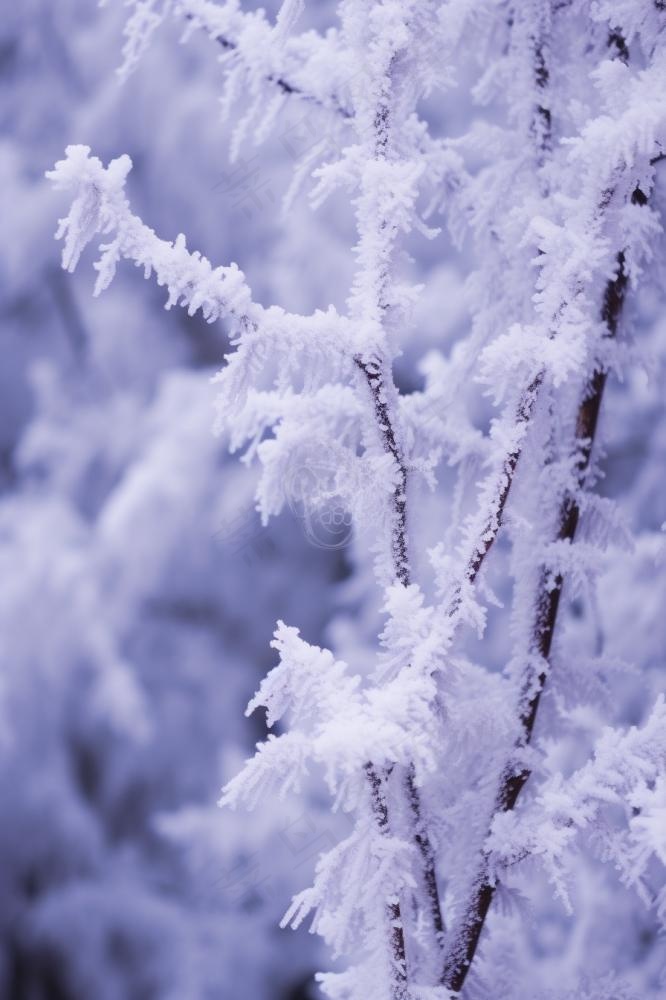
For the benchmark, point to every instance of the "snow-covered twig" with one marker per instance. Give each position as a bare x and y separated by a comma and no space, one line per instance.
462,949
309,67
315,347
623,767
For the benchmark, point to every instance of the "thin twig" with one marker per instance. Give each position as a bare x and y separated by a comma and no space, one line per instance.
397,933
280,81
494,517
373,374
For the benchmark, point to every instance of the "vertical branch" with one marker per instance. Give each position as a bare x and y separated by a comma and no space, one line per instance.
465,938
547,603
377,385
542,124
399,548
398,954
532,24
378,237
425,848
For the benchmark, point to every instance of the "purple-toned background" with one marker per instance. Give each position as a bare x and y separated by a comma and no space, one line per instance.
138,589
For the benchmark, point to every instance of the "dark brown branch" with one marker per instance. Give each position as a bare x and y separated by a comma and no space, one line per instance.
377,379
373,375
427,853
493,522
374,378
547,605
399,988
464,945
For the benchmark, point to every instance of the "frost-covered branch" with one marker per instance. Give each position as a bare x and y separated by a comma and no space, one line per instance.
386,206
339,725
313,348
309,67
379,390
463,945
101,207
263,64
547,601
568,269
625,768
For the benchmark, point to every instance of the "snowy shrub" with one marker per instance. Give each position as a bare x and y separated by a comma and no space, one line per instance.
472,768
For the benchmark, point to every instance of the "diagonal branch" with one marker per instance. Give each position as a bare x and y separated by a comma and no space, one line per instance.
376,383
498,484
541,129
499,494
547,603
259,334
465,939
211,18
